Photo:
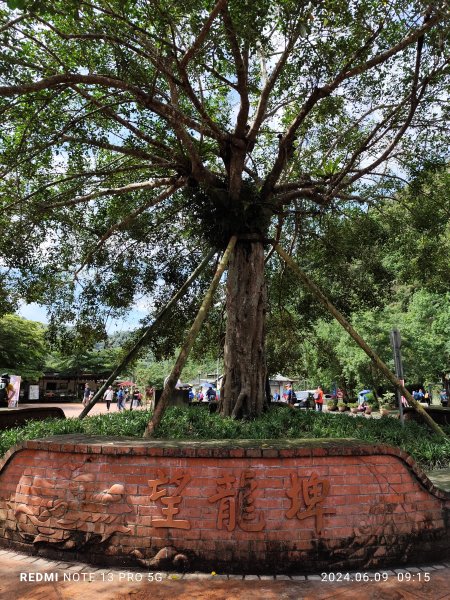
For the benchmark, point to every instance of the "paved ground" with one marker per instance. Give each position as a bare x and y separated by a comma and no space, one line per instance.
73,409
440,478
24,577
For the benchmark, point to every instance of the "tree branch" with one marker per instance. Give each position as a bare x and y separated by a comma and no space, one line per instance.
128,219
414,98
165,111
265,94
131,187
81,176
286,145
107,110
199,171
241,74
203,33
13,22
136,152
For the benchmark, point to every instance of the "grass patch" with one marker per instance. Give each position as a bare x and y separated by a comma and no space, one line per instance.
428,449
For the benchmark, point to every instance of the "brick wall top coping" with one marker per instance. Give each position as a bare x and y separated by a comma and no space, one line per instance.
225,448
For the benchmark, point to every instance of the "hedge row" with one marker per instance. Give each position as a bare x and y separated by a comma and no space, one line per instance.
429,450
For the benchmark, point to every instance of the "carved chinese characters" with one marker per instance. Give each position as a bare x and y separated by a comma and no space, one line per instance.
170,501
237,505
314,491
236,500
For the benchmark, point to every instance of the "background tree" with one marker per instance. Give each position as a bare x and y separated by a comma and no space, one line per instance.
407,288
100,361
136,133
23,348
424,325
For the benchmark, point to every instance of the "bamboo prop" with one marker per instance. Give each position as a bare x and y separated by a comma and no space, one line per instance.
358,339
189,342
145,336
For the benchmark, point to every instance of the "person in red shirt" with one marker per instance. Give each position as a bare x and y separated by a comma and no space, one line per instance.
318,398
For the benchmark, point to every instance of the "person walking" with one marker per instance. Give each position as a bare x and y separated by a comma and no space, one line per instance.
135,400
108,396
86,394
289,395
121,399
211,394
318,398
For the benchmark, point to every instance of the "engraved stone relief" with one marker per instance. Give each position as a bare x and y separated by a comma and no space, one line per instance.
71,511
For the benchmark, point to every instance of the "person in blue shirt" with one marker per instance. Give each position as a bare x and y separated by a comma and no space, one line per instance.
121,399
289,397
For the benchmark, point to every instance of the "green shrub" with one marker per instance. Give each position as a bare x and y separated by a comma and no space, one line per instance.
389,400
371,399
428,449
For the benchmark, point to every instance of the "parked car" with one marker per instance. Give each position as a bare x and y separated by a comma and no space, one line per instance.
305,399
304,394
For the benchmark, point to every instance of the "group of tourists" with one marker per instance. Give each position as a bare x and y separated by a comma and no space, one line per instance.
198,396
290,397
422,396
427,397
119,395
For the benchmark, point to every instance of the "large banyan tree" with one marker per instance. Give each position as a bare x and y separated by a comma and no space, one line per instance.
136,134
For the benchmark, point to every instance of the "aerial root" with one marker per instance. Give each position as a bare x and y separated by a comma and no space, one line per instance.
243,394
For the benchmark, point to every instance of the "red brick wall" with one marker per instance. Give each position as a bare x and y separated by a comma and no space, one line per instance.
223,506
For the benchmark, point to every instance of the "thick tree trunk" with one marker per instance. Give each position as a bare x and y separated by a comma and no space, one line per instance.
244,386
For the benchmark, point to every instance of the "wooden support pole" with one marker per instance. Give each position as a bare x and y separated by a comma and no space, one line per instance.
189,342
358,339
146,335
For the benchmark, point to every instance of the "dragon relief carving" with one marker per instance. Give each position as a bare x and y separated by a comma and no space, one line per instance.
68,509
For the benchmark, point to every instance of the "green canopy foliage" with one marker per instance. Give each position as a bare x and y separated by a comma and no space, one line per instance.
99,361
136,134
405,241
23,348
330,356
